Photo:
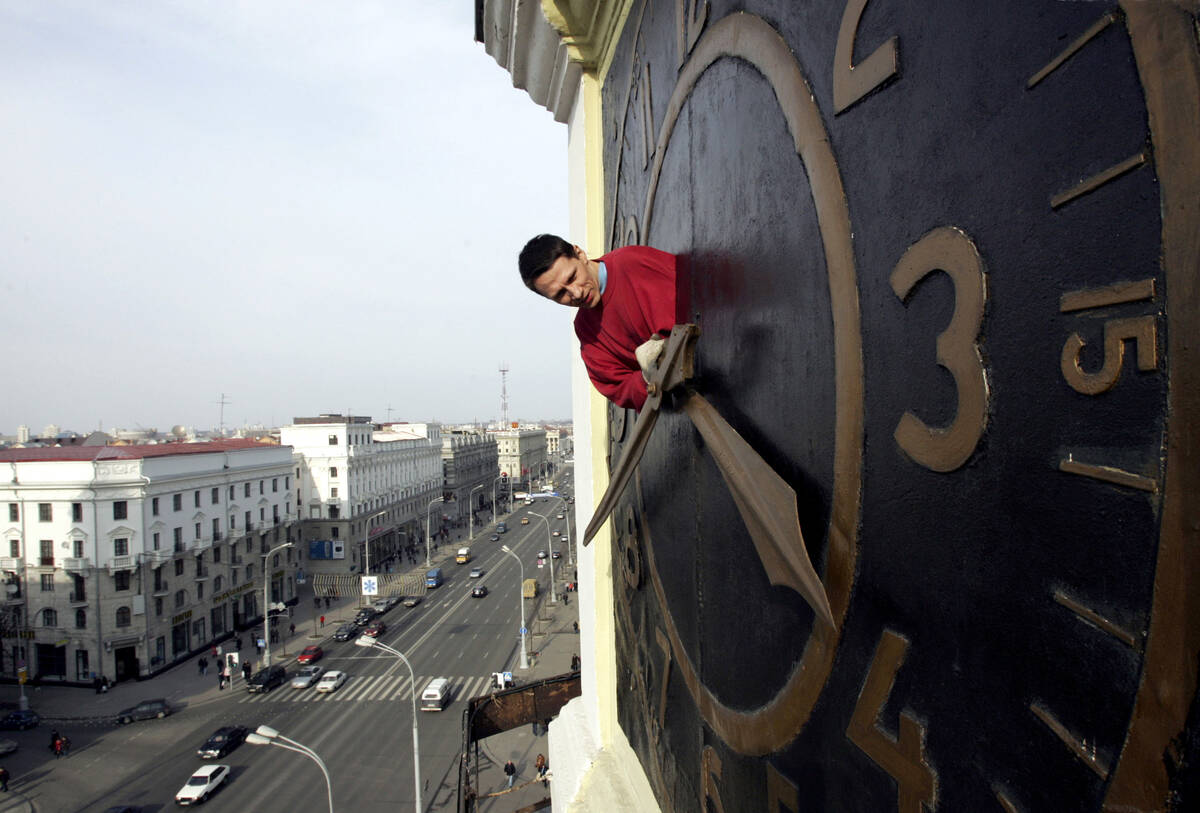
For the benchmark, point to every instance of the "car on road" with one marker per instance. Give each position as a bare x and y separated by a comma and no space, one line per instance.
381,606
8,747
375,629
392,601
560,516
554,532
412,601
524,520
331,680
345,632
495,537
541,554
476,573
20,720
310,654
557,554
266,679
146,710
202,784
479,591
306,677
222,741
365,616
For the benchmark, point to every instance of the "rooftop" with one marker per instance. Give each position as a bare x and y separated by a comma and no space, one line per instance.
134,452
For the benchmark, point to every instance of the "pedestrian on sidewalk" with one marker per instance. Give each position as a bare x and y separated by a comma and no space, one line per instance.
510,771
541,766
3,779
203,664
246,670
292,630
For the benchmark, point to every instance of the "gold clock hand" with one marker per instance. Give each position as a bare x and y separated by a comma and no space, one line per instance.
765,501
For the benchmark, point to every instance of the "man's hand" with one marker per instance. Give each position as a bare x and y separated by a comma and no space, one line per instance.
647,354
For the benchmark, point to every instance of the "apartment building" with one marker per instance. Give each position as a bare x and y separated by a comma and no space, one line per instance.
470,470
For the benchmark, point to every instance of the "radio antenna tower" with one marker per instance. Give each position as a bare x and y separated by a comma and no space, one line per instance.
504,395
223,404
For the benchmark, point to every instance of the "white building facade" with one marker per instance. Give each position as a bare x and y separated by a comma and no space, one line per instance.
360,484
470,468
119,561
522,455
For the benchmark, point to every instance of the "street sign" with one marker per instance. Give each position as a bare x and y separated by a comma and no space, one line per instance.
523,630
370,586
22,675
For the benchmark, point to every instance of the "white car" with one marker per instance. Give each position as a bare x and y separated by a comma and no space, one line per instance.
202,784
331,680
560,516
306,677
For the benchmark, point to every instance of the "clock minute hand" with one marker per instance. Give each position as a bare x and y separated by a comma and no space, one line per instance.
673,367
765,501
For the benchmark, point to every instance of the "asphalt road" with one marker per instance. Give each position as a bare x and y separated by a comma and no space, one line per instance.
363,731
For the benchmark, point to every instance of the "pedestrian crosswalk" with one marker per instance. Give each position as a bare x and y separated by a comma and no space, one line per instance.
373,687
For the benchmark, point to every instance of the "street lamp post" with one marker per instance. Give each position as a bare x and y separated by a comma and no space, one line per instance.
495,505
549,551
521,601
428,556
367,540
267,600
265,735
471,510
368,641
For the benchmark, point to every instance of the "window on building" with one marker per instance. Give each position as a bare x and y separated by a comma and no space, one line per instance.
233,578
120,510
275,560
334,512
262,514
333,493
333,532
77,511
246,489
249,573
287,481
199,591
216,584
47,582
333,440
158,606
216,528
260,487
178,534
196,499
275,513
216,553
178,567
159,582
14,512
77,547
180,598
49,618
274,485
121,580
124,617
215,497
14,548
232,522
47,553
45,512
177,502
197,530
231,492
248,522
80,619
156,538
120,547
154,506
332,472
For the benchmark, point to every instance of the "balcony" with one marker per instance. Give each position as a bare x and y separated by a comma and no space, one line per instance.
75,565
120,563
158,557
13,563
162,588
201,574
78,597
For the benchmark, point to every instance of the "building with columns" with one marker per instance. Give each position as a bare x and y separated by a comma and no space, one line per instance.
358,481
121,561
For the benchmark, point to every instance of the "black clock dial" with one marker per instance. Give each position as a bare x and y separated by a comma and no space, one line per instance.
935,295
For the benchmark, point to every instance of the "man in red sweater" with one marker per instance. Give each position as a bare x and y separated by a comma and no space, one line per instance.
625,298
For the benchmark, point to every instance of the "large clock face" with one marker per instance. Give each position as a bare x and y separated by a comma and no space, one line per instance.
939,256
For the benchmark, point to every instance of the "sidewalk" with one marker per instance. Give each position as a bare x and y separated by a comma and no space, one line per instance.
557,642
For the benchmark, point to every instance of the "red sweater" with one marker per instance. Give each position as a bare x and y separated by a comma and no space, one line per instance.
638,301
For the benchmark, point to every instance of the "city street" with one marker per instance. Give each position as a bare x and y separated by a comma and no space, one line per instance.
362,731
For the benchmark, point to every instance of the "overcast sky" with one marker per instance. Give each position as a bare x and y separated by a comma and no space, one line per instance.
307,206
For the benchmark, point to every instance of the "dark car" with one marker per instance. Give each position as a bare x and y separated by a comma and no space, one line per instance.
222,741
412,601
345,632
479,591
311,654
20,720
146,710
264,680
557,554
375,629
365,616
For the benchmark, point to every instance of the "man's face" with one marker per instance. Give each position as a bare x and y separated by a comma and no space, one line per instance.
570,281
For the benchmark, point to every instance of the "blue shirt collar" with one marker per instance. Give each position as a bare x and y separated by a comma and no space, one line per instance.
603,276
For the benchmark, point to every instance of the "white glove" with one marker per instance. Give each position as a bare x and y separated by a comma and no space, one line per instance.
647,354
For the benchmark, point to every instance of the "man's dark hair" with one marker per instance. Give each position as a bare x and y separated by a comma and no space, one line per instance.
539,254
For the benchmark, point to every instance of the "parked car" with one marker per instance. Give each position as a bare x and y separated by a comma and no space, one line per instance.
331,680
412,601
222,741
146,710
20,720
476,573
495,537
345,632
310,654
375,629
479,591
306,677
202,784
264,680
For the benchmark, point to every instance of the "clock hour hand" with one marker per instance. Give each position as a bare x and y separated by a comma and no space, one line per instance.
766,503
673,367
